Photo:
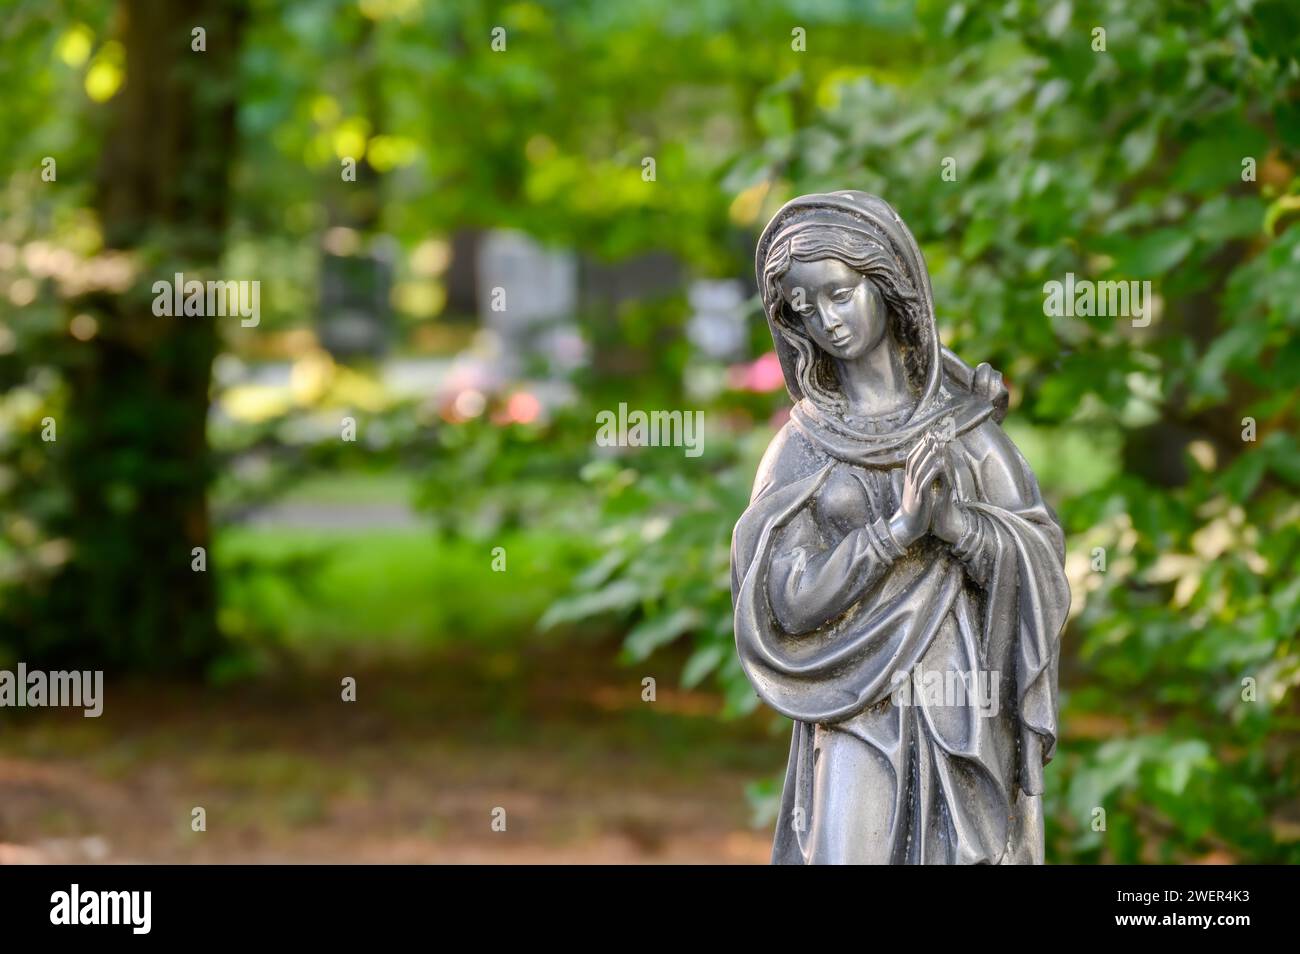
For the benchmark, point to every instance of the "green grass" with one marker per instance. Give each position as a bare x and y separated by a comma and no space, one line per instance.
361,487
309,591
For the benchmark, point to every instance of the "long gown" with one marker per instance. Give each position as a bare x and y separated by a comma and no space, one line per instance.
832,616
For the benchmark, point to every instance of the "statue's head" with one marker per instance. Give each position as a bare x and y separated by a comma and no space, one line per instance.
840,276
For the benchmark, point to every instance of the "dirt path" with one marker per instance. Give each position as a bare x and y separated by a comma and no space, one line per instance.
413,771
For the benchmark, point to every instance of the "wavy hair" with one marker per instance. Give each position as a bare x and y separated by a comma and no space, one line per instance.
867,256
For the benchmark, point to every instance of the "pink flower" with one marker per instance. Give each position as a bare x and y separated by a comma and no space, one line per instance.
759,376
765,374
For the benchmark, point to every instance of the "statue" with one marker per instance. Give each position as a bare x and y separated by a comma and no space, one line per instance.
898,580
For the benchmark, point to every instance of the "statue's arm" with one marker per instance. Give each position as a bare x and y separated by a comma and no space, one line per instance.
816,571
811,582
1007,486
1004,481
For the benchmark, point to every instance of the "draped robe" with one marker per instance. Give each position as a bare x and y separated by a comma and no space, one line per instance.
835,619
832,617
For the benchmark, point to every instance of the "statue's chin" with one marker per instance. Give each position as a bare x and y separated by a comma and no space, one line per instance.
850,349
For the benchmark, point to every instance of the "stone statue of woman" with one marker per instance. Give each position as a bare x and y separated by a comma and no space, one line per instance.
898,580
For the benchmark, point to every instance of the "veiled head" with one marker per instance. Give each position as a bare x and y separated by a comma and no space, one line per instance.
842,310
837,293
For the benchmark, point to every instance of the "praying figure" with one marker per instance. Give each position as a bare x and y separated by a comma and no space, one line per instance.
898,580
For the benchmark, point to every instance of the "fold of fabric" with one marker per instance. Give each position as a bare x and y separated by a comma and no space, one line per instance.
924,612
873,776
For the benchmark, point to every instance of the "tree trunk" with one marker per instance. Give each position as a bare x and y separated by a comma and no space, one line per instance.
136,440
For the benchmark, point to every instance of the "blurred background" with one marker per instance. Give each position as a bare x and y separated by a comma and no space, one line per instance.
475,226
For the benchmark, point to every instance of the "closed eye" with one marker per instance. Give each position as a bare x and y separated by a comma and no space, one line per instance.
843,295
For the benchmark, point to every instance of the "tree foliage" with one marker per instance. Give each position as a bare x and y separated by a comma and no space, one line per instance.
1168,157
1021,141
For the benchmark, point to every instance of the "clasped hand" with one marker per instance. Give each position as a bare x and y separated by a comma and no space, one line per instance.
928,503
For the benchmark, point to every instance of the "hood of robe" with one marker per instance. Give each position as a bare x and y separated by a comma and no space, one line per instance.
874,218
952,396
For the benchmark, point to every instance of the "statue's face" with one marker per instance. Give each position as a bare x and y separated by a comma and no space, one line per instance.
842,309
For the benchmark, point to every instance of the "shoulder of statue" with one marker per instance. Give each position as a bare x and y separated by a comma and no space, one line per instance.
995,457
988,441
789,457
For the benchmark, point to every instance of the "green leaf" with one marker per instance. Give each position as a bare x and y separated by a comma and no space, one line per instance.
1151,256
619,595
1178,762
702,662
656,631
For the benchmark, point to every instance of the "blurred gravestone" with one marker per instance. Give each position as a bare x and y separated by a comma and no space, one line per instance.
609,289
462,275
608,285
717,327
355,315
527,296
